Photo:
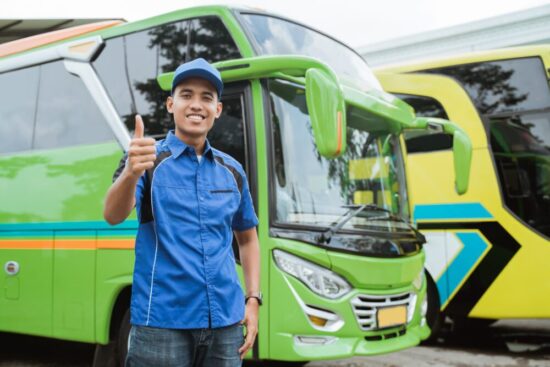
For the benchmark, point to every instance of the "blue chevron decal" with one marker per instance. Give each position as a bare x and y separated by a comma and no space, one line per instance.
475,247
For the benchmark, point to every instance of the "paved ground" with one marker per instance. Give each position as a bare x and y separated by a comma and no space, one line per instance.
506,344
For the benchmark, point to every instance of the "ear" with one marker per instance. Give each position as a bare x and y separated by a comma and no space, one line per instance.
219,109
170,104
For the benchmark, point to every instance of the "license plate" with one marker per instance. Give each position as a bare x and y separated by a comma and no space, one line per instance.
392,316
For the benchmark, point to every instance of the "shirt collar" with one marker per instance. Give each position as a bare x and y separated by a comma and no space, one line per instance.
177,146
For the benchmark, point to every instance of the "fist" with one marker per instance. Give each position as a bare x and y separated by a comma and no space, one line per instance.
142,152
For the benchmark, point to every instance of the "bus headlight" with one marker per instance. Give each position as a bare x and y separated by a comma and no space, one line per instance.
320,280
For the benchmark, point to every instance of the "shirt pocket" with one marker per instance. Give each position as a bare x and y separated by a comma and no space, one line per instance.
224,198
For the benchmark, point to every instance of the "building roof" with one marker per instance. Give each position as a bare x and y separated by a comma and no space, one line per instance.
531,26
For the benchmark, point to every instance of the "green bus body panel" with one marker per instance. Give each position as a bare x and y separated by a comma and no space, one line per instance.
29,293
73,296
113,274
60,185
377,273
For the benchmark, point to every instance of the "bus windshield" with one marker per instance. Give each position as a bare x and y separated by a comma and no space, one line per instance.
315,191
276,36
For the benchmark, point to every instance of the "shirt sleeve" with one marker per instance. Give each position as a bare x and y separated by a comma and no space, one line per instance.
245,217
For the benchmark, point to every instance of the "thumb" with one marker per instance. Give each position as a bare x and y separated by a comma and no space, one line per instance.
138,132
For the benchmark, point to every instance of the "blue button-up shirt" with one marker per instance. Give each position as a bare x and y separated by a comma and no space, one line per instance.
185,275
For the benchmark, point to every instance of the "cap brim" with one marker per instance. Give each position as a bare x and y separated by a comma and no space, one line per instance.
199,73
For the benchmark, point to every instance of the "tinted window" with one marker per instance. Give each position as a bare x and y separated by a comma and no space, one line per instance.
211,41
521,147
17,107
275,36
66,113
422,140
129,66
503,86
227,134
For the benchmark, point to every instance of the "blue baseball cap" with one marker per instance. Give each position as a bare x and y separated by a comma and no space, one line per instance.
198,68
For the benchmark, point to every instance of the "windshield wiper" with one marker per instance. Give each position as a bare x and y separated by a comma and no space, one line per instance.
354,210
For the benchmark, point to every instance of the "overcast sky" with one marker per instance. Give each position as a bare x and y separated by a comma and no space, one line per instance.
357,23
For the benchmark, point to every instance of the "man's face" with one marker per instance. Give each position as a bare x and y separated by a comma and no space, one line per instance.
194,106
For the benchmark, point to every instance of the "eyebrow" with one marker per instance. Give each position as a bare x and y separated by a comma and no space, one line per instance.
189,90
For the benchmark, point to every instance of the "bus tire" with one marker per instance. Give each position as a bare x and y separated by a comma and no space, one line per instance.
122,338
434,317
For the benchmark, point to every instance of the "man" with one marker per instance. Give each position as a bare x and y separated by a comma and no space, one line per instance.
187,306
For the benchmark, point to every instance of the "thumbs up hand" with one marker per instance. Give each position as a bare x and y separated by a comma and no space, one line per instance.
142,152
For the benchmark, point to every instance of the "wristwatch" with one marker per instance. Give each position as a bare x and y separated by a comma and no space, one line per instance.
257,295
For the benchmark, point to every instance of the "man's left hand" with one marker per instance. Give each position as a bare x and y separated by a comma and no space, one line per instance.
250,321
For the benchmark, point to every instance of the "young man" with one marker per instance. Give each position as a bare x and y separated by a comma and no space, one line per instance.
187,305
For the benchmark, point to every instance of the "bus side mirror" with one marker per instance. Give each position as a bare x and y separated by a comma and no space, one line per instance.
462,148
326,107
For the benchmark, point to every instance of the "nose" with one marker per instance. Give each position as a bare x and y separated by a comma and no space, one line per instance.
196,104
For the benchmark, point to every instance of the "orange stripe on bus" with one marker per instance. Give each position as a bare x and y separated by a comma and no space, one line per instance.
116,243
28,43
74,244
67,244
26,244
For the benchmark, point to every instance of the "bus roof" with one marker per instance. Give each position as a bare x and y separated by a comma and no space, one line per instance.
468,58
25,44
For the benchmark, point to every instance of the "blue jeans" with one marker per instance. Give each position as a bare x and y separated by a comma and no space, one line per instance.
154,347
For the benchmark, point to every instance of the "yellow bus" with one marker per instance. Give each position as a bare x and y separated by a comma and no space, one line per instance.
487,251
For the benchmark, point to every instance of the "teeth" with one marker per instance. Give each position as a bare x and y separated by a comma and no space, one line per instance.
195,117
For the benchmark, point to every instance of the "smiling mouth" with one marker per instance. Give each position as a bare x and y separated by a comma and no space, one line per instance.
195,117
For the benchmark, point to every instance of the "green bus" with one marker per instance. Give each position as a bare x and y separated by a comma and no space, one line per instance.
342,266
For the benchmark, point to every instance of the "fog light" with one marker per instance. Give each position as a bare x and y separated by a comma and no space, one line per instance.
314,340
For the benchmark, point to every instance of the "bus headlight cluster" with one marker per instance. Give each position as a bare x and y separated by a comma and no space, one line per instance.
320,280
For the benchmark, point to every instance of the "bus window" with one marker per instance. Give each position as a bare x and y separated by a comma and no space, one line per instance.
504,85
66,113
421,141
521,147
513,97
129,65
18,95
211,41
276,36
227,134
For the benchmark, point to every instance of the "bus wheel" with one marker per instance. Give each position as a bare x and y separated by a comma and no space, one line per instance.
122,340
434,318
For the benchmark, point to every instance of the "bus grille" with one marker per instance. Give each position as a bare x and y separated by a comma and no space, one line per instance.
366,306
